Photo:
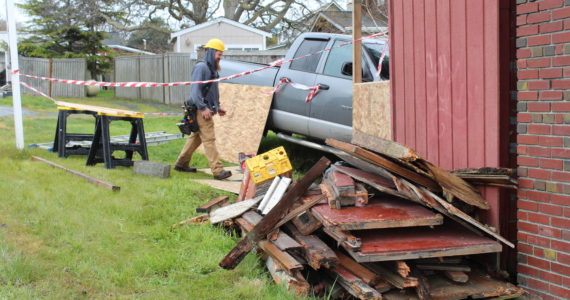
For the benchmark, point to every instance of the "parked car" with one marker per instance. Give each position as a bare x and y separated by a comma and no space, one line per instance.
329,114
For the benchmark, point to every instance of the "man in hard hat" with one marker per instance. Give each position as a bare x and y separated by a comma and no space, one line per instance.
206,97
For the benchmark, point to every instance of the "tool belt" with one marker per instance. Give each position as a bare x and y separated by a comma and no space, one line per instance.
189,124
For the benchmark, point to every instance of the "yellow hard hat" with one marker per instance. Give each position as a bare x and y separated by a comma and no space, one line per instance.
216,44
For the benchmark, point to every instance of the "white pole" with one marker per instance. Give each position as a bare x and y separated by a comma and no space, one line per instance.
16,98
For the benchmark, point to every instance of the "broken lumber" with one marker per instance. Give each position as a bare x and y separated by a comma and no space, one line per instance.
386,147
455,185
283,241
193,220
306,222
444,267
267,224
387,164
456,276
354,285
286,260
294,281
392,277
359,270
92,180
376,181
206,207
315,251
233,210
347,240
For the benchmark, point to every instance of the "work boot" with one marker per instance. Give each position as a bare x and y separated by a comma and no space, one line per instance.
223,175
185,169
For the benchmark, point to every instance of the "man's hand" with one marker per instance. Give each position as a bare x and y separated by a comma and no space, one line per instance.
206,114
222,112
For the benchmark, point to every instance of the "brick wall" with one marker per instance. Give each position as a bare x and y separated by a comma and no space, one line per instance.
543,104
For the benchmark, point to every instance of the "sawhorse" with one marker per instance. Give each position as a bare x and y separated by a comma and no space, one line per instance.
102,149
62,137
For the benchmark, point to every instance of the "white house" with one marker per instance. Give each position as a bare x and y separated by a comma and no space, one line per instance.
236,36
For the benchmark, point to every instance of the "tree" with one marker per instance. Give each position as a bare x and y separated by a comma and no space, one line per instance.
265,15
69,29
157,41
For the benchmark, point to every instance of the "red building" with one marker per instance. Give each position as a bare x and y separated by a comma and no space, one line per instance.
484,83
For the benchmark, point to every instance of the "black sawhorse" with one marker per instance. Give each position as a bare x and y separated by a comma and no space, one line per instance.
62,137
102,149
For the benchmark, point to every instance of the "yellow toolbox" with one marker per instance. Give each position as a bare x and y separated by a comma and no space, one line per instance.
268,165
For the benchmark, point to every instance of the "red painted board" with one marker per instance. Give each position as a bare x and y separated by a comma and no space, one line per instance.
378,213
376,179
385,241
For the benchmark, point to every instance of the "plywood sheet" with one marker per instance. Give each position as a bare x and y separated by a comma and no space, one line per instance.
372,109
420,242
378,213
241,129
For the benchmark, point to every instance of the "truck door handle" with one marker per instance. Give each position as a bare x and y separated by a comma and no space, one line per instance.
323,86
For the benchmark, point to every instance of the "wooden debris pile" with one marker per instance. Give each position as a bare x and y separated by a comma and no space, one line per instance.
381,224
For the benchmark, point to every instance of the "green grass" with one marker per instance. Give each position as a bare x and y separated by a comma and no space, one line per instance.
62,237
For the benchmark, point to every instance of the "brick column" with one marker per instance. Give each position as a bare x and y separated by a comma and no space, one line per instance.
543,103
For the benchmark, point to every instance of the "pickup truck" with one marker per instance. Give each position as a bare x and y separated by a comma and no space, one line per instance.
329,114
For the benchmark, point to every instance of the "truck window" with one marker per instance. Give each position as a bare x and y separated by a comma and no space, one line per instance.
338,57
375,52
310,63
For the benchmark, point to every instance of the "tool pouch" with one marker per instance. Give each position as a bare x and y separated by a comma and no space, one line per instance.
189,124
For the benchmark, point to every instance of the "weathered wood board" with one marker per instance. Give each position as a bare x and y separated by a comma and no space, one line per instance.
378,213
241,129
372,109
420,242
224,185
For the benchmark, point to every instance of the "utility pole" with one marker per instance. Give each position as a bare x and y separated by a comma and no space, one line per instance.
356,46
16,98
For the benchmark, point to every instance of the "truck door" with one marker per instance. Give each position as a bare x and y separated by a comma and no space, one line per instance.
331,109
289,111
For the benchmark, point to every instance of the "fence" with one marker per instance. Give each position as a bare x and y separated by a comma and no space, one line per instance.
74,68
171,67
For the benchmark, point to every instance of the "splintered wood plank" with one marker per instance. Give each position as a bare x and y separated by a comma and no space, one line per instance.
282,241
343,238
267,224
383,146
456,276
233,210
456,186
315,251
378,213
387,164
294,281
354,285
479,286
420,242
286,260
357,269
376,181
206,207
392,277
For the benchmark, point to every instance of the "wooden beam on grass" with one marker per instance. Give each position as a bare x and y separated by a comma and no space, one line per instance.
267,224
92,180
206,207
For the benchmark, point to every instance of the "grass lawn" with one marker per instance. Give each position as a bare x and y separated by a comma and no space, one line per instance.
62,237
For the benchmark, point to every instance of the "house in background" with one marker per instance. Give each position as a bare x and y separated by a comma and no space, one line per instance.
236,36
334,19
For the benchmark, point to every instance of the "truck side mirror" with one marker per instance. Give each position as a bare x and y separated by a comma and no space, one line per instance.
346,69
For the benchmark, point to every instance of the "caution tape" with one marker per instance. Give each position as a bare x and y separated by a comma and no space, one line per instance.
183,83
284,81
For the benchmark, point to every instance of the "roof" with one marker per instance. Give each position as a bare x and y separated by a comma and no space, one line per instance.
342,20
220,20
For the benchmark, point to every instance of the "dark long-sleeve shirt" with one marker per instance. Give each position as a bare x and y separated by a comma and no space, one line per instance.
205,71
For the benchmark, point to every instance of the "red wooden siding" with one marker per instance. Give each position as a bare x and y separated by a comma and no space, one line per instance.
445,82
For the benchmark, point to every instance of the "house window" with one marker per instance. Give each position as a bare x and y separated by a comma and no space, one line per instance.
310,63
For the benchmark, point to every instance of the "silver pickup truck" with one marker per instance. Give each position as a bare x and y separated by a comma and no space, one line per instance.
329,114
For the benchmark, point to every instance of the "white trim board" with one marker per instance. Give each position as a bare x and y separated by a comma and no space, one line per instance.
220,20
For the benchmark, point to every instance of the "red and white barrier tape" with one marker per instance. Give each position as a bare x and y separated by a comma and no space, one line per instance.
314,89
170,84
160,114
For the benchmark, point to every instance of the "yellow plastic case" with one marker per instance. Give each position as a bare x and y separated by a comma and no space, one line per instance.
268,165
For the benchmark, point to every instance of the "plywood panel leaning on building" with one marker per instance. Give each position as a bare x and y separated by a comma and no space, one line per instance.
241,129
371,109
